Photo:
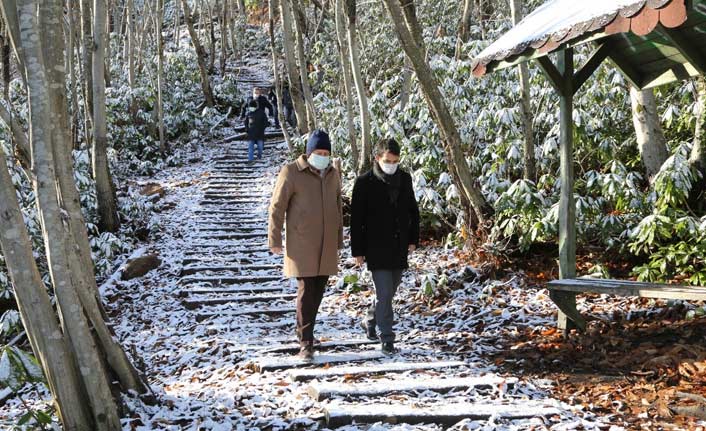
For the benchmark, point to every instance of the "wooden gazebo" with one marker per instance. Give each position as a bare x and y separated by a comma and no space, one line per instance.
652,42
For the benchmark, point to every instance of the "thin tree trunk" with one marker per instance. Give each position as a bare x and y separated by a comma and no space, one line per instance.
344,56
366,139
177,24
105,192
650,138
409,34
530,171
87,61
293,72
71,37
19,137
160,75
299,30
406,83
106,45
464,26
50,346
200,55
211,38
224,36
275,72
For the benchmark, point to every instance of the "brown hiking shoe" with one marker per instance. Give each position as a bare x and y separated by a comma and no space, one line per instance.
306,352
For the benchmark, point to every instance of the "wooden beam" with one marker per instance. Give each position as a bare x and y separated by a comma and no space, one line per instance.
551,72
567,207
628,71
686,48
597,57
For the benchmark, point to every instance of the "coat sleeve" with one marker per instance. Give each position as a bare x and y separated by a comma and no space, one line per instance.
278,207
339,199
247,122
413,215
358,228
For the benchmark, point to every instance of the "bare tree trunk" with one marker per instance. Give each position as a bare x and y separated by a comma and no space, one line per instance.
366,149
464,26
299,30
72,77
105,191
19,137
223,36
211,38
106,45
160,75
409,34
530,171
406,83
650,138
344,56
293,72
278,81
87,60
56,236
177,24
50,346
200,55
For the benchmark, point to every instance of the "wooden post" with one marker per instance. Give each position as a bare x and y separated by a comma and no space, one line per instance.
567,207
562,79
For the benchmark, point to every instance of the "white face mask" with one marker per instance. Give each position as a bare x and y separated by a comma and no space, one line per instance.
389,168
318,162
251,109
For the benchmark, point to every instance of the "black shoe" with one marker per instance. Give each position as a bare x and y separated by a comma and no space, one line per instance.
388,348
369,331
306,352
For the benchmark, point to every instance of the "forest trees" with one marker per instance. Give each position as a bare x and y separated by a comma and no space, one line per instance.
409,34
78,352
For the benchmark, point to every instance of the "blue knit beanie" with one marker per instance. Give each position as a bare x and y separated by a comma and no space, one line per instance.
318,140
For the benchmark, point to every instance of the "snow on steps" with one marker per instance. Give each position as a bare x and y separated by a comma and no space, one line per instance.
390,367
193,304
273,363
338,415
320,391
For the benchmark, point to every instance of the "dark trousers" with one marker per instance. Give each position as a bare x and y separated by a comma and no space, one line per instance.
310,292
380,313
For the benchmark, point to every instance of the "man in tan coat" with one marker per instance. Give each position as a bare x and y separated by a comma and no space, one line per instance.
308,197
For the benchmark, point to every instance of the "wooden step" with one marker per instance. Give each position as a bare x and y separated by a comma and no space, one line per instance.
225,250
325,345
190,270
339,415
283,363
390,367
245,203
326,390
193,304
222,236
229,227
230,290
200,317
230,279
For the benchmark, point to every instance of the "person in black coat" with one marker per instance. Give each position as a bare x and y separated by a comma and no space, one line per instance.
272,98
384,229
255,125
262,101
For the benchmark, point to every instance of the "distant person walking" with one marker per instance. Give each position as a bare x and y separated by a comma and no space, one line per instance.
272,98
307,197
255,125
384,229
288,107
262,101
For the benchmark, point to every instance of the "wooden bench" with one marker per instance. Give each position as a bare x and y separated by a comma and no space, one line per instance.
563,293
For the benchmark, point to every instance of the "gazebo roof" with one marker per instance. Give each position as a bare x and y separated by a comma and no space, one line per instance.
652,41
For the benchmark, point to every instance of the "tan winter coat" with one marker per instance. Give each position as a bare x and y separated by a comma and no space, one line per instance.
311,206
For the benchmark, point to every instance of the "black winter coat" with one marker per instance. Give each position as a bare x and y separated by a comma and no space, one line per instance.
255,124
262,103
381,230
